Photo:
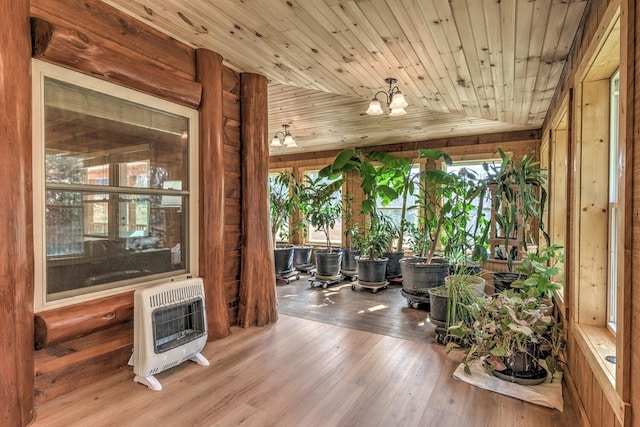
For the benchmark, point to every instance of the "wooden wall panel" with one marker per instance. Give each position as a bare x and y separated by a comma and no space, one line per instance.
631,56
592,400
232,191
594,190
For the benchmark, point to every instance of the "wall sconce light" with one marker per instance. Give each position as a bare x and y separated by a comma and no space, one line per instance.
394,98
283,138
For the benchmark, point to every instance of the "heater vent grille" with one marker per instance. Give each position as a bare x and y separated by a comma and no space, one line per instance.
175,295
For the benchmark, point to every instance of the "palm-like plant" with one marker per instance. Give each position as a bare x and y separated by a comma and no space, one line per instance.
518,198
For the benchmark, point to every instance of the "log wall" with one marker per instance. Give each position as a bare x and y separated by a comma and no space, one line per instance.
87,340
16,218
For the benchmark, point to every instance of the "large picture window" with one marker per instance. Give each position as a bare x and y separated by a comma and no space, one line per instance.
112,184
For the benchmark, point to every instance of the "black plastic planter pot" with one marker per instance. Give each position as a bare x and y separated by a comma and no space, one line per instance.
372,270
523,367
393,265
328,263
503,280
438,306
416,274
283,255
302,255
349,261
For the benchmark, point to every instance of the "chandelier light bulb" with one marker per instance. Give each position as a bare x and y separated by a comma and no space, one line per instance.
374,108
275,142
395,112
289,141
398,101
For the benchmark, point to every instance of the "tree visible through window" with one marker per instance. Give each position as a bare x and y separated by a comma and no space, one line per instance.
335,234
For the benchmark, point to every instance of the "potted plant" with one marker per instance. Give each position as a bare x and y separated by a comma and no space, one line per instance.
283,202
518,199
373,237
350,254
321,210
510,336
450,305
447,203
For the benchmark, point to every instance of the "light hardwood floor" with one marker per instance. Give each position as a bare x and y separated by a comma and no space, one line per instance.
301,372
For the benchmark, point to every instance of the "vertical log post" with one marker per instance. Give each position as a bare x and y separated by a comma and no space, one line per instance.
16,217
257,273
211,254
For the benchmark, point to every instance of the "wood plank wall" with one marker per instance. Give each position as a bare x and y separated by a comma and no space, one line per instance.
590,394
59,371
232,191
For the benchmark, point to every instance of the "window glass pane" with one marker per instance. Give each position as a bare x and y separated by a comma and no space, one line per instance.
393,210
613,202
97,139
116,190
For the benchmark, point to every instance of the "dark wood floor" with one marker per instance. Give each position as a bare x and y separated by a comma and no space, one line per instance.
386,312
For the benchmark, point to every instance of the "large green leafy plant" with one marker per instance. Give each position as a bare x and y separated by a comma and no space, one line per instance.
319,204
375,236
541,273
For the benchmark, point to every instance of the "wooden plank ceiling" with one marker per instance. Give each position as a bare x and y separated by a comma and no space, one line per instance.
466,67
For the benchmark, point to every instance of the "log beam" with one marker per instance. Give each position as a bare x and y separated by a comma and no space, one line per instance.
16,217
94,55
212,191
100,18
257,305
73,321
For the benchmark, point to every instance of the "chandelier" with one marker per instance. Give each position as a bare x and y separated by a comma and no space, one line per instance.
393,97
283,138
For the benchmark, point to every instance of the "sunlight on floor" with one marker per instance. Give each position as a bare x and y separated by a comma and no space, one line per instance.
374,308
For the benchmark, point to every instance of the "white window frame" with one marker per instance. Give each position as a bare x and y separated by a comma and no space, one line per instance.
40,70
614,237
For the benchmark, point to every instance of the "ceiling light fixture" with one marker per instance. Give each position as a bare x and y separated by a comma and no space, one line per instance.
285,140
394,98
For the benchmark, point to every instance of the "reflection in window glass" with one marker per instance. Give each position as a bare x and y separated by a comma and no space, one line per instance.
116,190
